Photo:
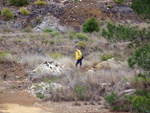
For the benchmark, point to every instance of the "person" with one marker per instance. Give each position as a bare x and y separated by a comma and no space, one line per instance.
79,56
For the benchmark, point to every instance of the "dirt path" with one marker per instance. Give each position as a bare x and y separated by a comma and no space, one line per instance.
20,101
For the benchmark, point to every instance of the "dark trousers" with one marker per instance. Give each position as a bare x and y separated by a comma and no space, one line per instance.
79,61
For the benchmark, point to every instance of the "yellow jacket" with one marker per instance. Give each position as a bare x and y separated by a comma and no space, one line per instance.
78,54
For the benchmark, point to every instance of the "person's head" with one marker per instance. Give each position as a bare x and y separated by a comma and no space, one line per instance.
76,48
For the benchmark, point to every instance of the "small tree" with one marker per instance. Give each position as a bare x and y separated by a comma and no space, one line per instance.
24,11
141,58
7,14
141,7
19,2
91,25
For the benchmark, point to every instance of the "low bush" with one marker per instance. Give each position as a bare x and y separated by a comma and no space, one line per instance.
27,29
39,2
108,6
91,26
141,104
119,2
38,95
81,44
55,55
48,30
19,2
75,0
80,92
82,36
71,34
105,57
24,11
6,57
7,14
56,34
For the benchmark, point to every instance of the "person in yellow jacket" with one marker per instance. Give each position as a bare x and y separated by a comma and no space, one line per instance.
79,56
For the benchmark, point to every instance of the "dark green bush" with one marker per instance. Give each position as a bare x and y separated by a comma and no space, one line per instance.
82,36
120,32
141,104
141,7
7,14
19,2
91,25
141,58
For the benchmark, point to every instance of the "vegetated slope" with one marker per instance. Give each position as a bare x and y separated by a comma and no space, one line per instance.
72,13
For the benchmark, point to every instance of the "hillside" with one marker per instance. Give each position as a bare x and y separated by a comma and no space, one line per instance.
38,57
70,13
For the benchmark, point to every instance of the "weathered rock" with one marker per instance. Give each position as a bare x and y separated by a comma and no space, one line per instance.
110,64
122,88
44,88
51,22
50,68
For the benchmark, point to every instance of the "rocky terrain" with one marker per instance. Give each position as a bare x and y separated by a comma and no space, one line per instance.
37,58
69,13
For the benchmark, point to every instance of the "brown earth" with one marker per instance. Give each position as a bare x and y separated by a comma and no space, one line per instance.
19,101
72,14
11,71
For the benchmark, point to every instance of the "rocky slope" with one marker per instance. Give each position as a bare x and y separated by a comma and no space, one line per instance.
69,13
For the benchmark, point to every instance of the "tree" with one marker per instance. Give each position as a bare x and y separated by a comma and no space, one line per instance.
91,25
141,58
7,14
141,7
19,2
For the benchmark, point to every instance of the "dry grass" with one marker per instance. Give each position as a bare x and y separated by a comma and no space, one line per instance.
31,61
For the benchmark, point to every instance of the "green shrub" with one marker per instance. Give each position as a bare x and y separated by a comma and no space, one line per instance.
141,7
105,57
48,30
81,44
7,14
91,25
56,34
39,95
39,2
80,92
52,42
19,2
111,98
82,36
6,57
108,6
119,2
27,29
55,55
141,104
1,91
141,58
75,0
24,11
120,32
71,34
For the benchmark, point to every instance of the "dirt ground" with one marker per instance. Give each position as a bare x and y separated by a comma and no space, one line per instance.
17,100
